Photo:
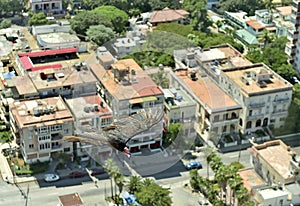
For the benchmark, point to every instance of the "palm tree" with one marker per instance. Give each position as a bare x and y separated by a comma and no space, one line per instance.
270,6
110,168
221,177
234,184
120,181
266,37
208,153
134,183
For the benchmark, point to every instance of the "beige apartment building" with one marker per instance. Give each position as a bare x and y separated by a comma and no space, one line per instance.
67,82
127,89
39,126
217,113
263,94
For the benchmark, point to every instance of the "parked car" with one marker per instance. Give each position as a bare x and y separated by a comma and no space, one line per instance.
295,79
51,177
76,174
97,171
193,165
203,202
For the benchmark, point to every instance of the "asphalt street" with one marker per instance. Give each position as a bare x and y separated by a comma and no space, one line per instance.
174,177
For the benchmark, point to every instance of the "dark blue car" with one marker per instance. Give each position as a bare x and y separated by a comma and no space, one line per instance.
193,165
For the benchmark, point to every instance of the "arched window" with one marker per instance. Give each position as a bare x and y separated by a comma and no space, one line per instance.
233,115
248,125
241,122
258,123
265,122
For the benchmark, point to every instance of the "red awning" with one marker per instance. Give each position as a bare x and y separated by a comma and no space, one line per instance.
49,52
26,62
51,66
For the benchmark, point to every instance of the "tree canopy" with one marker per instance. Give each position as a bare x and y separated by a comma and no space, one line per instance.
117,17
10,6
273,55
38,19
249,6
82,21
150,193
198,14
100,34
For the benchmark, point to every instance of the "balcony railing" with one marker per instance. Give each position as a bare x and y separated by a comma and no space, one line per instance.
256,116
257,105
280,101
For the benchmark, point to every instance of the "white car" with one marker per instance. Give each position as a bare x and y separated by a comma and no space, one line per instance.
51,178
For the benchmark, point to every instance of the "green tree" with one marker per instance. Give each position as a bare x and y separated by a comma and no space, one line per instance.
117,17
173,131
5,23
270,6
152,194
194,180
134,183
198,14
209,153
100,34
249,6
160,79
266,38
38,19
81,22
6,137
110,168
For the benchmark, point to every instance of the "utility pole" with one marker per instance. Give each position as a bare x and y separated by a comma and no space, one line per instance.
26,196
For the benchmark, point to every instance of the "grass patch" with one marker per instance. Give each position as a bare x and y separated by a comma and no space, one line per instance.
29,169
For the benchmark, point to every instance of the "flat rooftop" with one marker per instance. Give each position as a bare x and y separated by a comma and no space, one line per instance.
257,78
59,38
208,92
178,97
24,85
216,53
81,107
143,85
43,112
276,154
271,193
251,178
67,76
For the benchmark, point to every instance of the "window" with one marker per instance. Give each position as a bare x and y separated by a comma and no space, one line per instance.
31,146
67,149
216,118
250,112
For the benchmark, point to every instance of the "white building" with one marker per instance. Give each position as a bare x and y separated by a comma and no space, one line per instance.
39,126
50,7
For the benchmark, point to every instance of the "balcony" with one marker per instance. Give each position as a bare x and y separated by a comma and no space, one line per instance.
292,35
55,137
281,101
56,147
257,105
280,112
256,116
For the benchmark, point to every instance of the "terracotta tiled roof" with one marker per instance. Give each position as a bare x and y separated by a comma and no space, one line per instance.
209,93
285,10
250,178
142,87
255,24
168,15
